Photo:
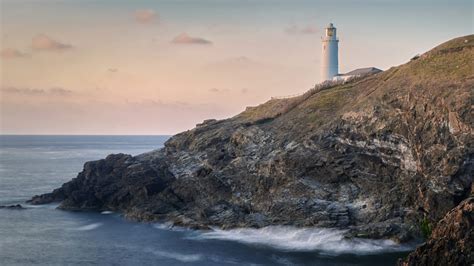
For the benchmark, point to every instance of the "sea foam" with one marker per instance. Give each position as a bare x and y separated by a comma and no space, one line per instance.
89,227
50,206
176,256
327,241
169,226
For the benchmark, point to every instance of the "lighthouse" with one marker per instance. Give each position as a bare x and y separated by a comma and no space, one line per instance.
330,65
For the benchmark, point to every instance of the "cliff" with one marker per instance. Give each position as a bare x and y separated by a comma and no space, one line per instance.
377,155
452,241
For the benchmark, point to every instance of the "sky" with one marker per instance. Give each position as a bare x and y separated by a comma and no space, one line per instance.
160,67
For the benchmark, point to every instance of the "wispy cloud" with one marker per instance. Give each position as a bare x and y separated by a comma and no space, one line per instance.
216,90
46,43
9,53
184,38
56,91
145,16
302,30
235,63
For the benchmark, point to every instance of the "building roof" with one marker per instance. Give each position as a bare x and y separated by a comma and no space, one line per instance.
363,71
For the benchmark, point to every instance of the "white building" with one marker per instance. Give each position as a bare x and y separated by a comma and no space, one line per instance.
357,73
330,61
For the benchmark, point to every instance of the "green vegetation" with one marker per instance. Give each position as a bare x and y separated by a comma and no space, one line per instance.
330,99
269,110
440,70
279,106
426,228
450,60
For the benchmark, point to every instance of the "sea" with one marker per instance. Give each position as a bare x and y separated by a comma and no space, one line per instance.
44,235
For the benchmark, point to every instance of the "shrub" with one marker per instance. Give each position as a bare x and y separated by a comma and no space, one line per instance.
426,228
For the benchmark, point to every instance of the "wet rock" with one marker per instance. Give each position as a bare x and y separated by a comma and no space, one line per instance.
451,242
12,207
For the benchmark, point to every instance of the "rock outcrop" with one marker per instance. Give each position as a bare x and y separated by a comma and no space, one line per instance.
12,207
376,155
452,240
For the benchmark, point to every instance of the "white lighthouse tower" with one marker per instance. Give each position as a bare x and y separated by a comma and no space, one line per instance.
330,65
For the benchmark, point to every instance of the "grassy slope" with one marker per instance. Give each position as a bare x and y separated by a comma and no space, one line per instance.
439,73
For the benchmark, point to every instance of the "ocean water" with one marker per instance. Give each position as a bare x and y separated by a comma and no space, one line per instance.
43,235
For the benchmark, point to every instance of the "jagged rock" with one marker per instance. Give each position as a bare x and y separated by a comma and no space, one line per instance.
452,240
12,207
113,183
375,155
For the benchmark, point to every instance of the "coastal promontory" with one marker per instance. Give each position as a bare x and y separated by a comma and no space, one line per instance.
388,155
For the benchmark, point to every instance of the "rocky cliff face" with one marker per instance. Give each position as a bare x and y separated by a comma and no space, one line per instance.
375,155
452,241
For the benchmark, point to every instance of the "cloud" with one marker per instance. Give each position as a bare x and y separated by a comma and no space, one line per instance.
184,38
301,30
145,15
9,53
56,91
216,90
59,91
45,43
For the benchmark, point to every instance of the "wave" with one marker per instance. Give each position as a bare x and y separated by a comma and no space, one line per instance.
170,226
89,227
163,226
288,238
192,257
107,212
176,256
51,206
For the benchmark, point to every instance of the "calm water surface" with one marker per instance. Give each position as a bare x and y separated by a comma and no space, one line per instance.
43,235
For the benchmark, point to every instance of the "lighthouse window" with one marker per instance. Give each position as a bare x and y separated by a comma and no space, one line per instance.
330,32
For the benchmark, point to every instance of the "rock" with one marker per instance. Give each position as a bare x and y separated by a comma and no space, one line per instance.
206,122
113,183
451,242
55,196
12,207
376,155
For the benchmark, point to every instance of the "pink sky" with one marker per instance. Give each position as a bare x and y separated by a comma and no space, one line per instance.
140,67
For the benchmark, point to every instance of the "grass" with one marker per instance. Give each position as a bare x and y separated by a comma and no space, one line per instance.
268,110
449,62
426,228
452,60
331,99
